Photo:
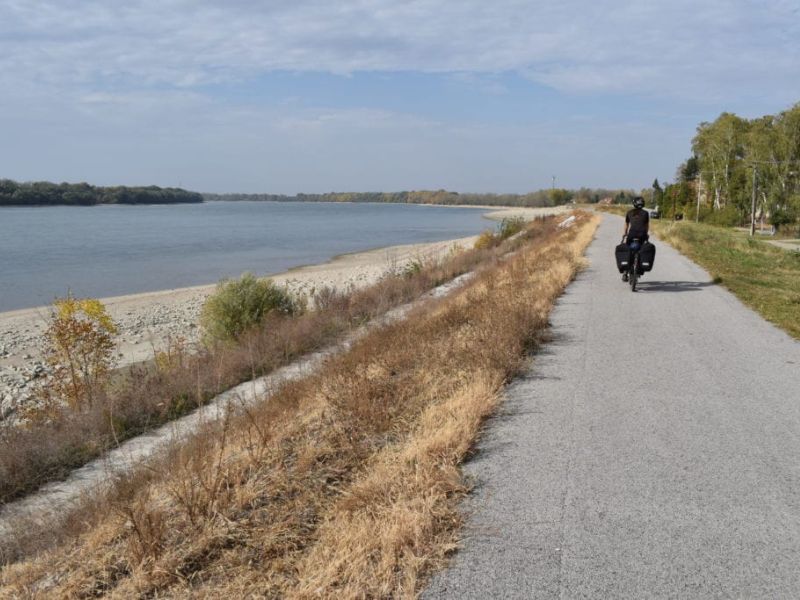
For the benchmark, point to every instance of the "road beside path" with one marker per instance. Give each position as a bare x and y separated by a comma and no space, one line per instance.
792,245
652,450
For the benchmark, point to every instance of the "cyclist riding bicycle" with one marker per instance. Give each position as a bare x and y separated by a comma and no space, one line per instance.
637,225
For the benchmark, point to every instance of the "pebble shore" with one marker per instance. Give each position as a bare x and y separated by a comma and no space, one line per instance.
146,322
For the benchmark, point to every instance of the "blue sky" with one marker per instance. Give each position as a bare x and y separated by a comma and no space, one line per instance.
315,96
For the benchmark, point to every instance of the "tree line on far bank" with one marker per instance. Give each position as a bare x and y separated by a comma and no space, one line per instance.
43,193
731,159
551,197
13,193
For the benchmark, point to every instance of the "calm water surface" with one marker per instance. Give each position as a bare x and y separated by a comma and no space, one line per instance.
111,250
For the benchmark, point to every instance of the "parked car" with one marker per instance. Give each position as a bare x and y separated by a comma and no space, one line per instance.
654,213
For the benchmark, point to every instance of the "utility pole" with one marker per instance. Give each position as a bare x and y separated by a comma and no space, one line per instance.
753,204
554,183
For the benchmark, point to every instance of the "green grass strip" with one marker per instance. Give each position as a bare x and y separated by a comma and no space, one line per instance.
764,277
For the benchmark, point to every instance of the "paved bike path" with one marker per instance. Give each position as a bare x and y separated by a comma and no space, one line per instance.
651,451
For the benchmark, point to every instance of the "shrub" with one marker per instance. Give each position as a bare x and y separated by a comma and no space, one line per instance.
729,216
486,240
782,216
413,267
79,351
173,357
240,304
510,226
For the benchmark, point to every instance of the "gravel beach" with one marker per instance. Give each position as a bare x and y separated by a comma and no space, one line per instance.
147,321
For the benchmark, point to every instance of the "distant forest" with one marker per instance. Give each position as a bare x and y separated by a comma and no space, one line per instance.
552,197
43,193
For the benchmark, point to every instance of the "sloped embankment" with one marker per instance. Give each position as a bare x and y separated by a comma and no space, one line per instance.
345,483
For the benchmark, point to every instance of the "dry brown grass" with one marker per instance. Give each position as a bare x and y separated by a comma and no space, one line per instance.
149,395
344,484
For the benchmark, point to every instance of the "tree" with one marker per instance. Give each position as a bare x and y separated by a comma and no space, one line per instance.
46,193
688,170
658,193
560,196
79,351
731,155
719,147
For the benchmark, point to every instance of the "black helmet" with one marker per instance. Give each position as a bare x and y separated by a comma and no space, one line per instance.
638,202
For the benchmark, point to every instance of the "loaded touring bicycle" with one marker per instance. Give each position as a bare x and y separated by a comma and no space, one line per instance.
635,257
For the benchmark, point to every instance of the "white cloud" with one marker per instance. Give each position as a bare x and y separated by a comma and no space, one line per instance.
712,47
115,92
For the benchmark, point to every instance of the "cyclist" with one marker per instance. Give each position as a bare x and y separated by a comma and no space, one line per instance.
637,224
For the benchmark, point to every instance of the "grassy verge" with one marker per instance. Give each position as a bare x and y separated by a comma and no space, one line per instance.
345,484
150,395
764,277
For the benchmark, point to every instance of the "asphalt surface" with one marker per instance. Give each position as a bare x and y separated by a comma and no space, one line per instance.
651,451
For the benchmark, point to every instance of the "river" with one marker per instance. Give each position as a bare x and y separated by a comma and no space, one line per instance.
102,251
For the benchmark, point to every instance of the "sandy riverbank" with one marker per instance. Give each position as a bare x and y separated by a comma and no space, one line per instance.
147,321
498,213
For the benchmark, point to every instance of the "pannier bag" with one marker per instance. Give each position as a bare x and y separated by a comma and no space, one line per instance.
647,256
623,255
